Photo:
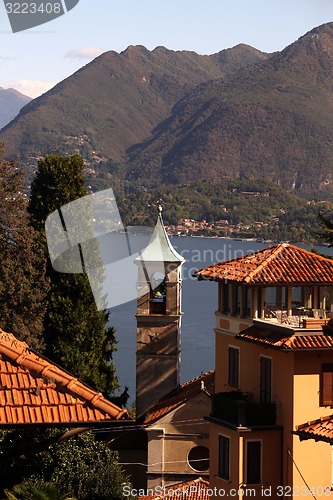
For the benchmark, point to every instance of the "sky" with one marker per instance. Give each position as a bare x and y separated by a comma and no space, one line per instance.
33,61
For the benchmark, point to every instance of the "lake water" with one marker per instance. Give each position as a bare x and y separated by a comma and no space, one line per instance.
199,301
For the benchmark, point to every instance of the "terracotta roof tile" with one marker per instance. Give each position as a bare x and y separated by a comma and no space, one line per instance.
197,489
320,429
33,390
183,393
279,264
282,340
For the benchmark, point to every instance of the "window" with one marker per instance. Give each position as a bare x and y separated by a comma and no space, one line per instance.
232,299
225,298
247,302
326,389
198,458
253,462
233,367
158,285
157,294
224,457
235,304
265,379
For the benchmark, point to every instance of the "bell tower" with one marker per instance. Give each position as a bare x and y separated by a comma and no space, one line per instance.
158,319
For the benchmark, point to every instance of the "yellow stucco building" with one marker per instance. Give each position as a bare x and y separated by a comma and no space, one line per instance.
274,372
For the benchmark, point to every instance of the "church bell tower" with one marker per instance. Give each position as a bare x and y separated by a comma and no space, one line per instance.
158,319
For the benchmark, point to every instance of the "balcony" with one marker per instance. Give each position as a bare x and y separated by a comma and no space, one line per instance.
299,317
236,409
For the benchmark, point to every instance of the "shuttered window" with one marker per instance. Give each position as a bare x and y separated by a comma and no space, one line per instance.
224,457
233,367
253,462
326,390
265,380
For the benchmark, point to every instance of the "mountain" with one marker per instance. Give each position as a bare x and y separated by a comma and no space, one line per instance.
271,120
116,101
161,116
11,101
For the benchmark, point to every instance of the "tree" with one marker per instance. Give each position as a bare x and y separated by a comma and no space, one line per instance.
35,490
23,283
88,469
327,227
81,466
75,332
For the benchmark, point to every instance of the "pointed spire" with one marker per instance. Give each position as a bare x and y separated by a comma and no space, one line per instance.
159,248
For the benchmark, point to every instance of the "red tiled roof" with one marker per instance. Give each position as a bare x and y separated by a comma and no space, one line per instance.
197,489
278,264
282,340
35,391
183,393
320,429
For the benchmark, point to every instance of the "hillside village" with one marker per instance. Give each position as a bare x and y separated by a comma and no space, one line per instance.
191,227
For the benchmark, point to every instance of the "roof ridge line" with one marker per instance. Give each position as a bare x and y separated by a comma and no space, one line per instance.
272,254
196,379
41,365
319,256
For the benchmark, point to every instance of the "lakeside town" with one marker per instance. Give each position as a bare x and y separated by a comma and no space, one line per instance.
219,228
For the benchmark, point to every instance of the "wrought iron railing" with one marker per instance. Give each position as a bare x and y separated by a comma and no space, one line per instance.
235,408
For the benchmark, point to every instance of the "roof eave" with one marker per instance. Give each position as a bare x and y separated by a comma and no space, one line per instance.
305,436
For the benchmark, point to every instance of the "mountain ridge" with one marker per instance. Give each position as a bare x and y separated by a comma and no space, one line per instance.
261,121
116,100
11,102
161,116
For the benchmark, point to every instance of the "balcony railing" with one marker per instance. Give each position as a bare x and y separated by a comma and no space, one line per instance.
236,409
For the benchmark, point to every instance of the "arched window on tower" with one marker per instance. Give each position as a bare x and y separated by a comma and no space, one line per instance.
157,294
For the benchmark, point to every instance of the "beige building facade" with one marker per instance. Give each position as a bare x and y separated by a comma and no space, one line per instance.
178,434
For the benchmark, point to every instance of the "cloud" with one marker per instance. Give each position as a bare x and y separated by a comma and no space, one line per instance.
84,53
31,88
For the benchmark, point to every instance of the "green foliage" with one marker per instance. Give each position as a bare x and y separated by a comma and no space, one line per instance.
88,469
58,181
80,467
327,228
35,490
76,335
241,202
19,456
75,332
23,284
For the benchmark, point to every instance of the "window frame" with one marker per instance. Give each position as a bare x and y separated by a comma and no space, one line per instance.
224,472
249,461
326,385
266,388
233,366
204,458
